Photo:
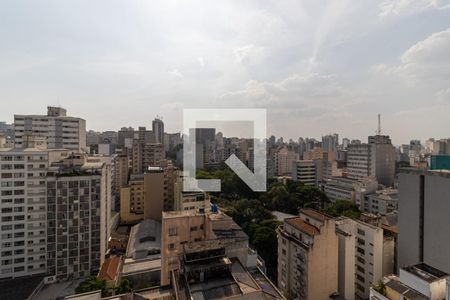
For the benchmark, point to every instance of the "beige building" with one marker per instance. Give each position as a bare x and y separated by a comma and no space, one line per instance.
145,155
365,256
183,227
308,256
190,200
122,168
147,195
284,159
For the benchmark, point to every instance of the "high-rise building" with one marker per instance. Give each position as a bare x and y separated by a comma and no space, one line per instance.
147,195
158,130
365,256
122,169
377,159
61,131
125,137
423,222
23,215
330,143
284,159
308,256
77,218
146,155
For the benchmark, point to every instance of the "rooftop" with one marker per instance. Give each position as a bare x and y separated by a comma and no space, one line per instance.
395,284
303,226
137,266
315,214
145,238
110,269
19,288
426,272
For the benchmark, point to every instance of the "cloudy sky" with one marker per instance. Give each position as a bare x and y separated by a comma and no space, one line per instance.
317,66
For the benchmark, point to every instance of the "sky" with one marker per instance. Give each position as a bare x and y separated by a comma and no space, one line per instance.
318,67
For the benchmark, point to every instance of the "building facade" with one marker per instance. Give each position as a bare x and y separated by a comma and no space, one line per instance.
308,256
61,131
423,223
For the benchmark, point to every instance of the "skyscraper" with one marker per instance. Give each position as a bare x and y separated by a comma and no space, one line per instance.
158,130
330,143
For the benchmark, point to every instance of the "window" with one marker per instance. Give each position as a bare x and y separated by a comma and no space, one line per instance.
361,232
171,246
194,228
173,231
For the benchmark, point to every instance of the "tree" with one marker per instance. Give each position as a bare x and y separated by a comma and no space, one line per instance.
92,283
380,287
124,287
343,208
266,243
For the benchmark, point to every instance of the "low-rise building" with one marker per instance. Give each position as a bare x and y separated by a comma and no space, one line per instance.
418,281
381,202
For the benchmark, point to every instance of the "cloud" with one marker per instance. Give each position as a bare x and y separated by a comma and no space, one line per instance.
201,61
295,91
248,54
427,61
176,74
390,8
443,96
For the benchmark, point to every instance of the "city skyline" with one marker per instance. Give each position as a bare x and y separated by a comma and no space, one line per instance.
309,64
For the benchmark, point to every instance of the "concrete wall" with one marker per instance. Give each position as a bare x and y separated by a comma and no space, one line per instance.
437,222
408,219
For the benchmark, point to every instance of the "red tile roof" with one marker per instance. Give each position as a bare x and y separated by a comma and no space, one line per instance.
303,226
315,214
110,268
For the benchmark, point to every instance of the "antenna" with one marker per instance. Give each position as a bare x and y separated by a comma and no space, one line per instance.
379,125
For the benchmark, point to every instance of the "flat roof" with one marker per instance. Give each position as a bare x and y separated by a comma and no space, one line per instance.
425,272
238,282
140,265
405,290
443,173
19,288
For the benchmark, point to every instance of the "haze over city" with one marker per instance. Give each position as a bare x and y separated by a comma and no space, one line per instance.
318,67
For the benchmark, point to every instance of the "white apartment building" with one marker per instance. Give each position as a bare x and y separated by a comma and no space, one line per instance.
381,202
377,159
304,171
23,199
365,256
61,131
